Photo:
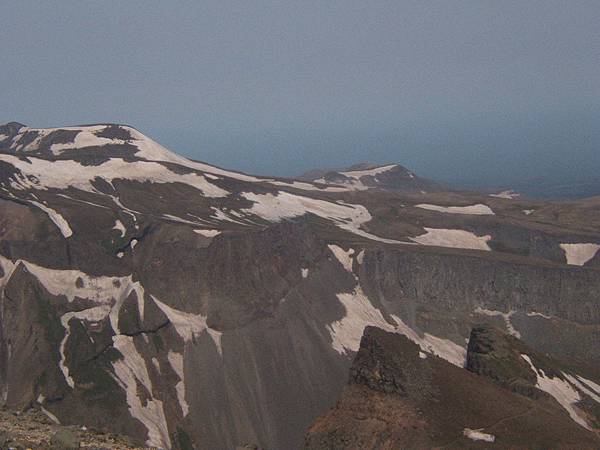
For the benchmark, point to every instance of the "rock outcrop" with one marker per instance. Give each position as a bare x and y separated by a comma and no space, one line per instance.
399,396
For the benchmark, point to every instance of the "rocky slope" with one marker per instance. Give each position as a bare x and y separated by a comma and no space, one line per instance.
32,429
400,396
174,301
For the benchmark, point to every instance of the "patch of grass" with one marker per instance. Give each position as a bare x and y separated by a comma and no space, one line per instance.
157,341
183,440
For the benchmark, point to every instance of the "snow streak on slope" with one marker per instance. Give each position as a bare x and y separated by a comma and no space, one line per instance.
440,237
477,210
176,361
55,217
506,316
130,370
189,325
561,390
581,385
357,174
107,295
343,256
347,332
443,348
579,254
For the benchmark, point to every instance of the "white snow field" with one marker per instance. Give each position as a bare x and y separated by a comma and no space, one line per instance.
441,237
476,210
579,254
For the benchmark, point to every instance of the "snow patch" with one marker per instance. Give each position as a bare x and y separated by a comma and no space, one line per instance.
119,227
208,233
130,370
506,316
561,390
354,181
443,348
347,332
343,256
108,293
478,435
49,415
582,387
176,361
360,257
590,383
189,325
508,194
441,237
357,174
579,254
478,209
55,217
538,314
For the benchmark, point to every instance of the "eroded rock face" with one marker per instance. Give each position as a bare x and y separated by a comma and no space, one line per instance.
401,397
387,364
497,355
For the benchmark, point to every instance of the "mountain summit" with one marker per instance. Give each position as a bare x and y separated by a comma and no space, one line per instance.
370,176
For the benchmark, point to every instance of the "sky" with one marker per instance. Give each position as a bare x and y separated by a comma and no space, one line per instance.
472,92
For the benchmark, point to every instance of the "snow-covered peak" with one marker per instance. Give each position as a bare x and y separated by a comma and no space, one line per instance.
368,176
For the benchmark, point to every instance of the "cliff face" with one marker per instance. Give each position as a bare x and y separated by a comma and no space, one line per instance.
401,397
186,305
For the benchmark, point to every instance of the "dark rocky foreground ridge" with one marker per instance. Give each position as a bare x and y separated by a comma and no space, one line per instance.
32,429
400,397
188,306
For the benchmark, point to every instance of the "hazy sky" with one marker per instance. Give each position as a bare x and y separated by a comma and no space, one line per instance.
479,91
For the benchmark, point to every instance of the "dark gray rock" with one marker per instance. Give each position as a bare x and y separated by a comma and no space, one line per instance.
65,439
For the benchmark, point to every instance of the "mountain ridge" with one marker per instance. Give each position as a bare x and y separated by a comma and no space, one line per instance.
159,297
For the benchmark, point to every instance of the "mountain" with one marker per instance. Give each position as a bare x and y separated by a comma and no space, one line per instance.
400,395
189,306
393,177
